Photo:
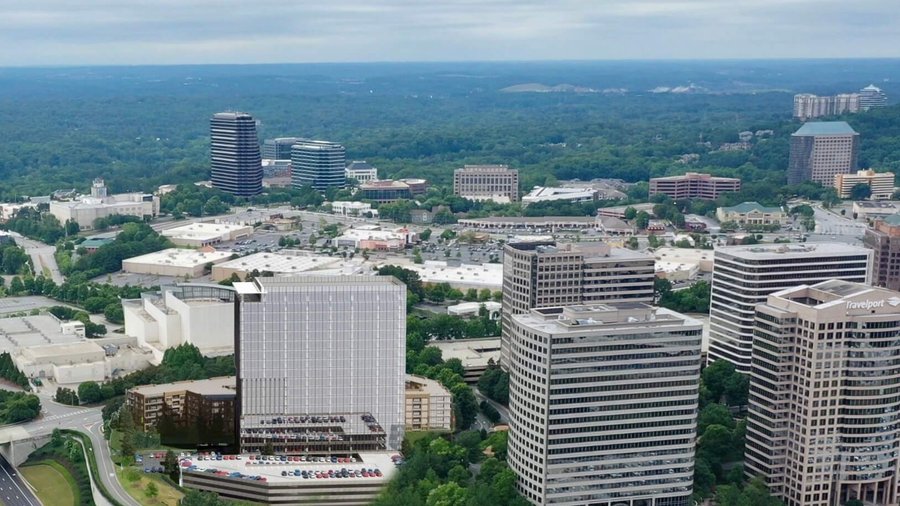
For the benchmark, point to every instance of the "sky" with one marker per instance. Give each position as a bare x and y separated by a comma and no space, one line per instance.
134,32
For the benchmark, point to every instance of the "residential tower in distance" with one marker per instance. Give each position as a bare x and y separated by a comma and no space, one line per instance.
498,183
871,96
235,160
320,164
821,150
693,185
743,276
824,420
603,404
320,364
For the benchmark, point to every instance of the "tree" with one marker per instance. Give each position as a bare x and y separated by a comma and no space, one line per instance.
861,191
448,494
630,213
151,490
268,448
714,414
89,392
170,465
642,220
425,234
704,478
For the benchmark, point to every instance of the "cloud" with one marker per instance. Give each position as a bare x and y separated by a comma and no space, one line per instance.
217,31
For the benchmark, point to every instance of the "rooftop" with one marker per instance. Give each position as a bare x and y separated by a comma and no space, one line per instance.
874,204
746,207
263,285
280,262
423,384
868,299
580,318
224,385
181,257
471,352
694,175
826,128
202,230
893,219
773,251
482,275
487,168
240,470
63,350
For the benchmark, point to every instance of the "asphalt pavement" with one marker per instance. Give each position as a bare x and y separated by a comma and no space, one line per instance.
42,255
13,491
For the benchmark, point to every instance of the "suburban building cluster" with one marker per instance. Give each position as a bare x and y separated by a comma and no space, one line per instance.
809,106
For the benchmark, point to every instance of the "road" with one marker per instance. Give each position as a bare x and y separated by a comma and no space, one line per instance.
13,491
89,421
105,466
829,223
503,410
41,256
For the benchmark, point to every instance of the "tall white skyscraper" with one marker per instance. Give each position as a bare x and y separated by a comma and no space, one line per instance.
603,404
824,421
321,363
743,276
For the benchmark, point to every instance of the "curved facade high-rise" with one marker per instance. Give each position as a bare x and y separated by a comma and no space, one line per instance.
603,405
320,164
871,96
235,161
823,427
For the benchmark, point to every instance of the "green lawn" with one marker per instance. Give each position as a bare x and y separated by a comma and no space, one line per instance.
168,495
53,484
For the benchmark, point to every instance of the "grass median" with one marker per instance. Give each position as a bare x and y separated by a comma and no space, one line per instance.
52,483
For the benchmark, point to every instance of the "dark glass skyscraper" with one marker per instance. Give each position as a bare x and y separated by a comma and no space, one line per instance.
320,164
235,162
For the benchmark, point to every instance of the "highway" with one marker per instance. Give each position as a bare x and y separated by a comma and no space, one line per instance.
41,256
88,420
13,491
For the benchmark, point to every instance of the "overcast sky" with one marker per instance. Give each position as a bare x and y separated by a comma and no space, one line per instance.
53,32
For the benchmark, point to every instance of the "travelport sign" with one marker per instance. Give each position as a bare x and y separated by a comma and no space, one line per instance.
873,304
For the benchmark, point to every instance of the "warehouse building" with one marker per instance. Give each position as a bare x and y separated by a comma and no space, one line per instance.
175,262
197,235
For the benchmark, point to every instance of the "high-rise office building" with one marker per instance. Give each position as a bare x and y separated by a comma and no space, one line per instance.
884,241
548,274
235,161
693,185
603,405
320,164
743,276
823,426
821,150
498,183
871,96
321,363
279,148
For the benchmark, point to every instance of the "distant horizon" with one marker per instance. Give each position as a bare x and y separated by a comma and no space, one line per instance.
449,61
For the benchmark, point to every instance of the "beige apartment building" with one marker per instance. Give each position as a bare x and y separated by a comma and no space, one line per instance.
548,274
824,421
603,405
693,185
881,183
146,402
429,406
498,183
